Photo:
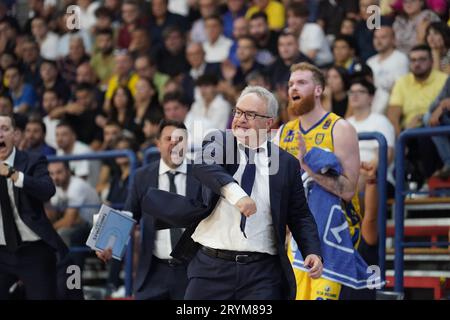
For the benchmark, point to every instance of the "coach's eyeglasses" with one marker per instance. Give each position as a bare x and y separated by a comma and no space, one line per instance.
237,113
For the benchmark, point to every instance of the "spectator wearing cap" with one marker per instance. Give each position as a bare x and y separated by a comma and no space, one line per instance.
387,66
274,10
171,58
103,60
311,38
217,46
210,103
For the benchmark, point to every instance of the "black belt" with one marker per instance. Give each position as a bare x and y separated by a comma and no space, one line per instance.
241,257
169,262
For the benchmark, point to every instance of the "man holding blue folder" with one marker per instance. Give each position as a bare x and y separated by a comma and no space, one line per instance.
160,276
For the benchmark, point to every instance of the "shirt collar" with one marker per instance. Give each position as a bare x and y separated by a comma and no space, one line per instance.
10,160
164,168
261,148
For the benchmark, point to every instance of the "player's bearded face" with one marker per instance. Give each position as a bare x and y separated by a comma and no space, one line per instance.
300,105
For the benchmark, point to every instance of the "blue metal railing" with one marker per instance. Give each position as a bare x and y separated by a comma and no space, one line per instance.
400,197
382,195
133,166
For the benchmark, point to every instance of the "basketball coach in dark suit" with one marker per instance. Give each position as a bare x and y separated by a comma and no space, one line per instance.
237,239
160,276
28,242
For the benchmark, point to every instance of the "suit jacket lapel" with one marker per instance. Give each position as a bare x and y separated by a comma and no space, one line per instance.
191,185
275,181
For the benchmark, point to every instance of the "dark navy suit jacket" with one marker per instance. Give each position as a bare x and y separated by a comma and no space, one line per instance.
287,199
37,188
145,178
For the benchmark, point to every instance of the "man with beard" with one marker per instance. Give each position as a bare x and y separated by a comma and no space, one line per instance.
103,60
315,127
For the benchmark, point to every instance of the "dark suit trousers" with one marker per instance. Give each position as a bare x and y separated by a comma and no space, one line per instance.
163,282
34,263
217,279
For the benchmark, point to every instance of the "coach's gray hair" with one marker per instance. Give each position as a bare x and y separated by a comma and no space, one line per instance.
264,94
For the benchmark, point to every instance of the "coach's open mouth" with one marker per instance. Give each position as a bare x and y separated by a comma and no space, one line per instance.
295,98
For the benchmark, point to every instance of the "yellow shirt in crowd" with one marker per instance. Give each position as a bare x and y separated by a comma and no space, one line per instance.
415,97
275,14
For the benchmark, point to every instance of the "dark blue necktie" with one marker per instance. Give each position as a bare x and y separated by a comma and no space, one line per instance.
10,232
248,179
175,233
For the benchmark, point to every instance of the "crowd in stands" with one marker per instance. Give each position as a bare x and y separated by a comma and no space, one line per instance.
108,82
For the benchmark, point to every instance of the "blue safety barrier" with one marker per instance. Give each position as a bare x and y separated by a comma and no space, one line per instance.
400,198
382,195
133,166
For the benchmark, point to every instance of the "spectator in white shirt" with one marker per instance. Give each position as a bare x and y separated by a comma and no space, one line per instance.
312,40
47,40
211,104
66,139
361,95
51,101
198,31
217,46
70,219
387,66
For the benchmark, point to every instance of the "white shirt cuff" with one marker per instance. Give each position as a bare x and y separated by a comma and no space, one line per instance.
233,193
19,181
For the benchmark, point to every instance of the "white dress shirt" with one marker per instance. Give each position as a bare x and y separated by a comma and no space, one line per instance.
26,233
221,229
218,51
163,244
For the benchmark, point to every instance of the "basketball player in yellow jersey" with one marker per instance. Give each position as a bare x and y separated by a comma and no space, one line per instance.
315,127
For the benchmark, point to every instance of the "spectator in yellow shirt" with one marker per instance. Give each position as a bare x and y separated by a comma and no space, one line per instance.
410,99
123,76
275,12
